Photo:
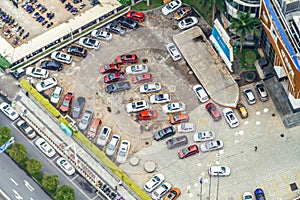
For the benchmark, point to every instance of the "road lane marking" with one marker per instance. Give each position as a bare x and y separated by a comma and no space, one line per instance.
14,181
17,195
29,187
4,195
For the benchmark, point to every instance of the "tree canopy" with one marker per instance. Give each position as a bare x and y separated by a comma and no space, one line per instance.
18,152
50,182
5,134
65,192
33,166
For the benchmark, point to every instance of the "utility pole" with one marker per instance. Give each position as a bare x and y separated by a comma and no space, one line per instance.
218,186
201,188
209,187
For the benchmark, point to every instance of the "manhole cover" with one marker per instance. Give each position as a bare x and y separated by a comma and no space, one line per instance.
172,88
294,186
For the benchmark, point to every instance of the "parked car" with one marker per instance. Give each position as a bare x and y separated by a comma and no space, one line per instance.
247,196
160,98
211,145
65,166
9,111
117,87
173,51
164,133
37,72
154,182
114,77
161,191
128,23
213,111
230,117
127,58
261,91
103,135
177,142
77,51
249,96
110,68
179,118
91,134
259,194
46,84
26,129
219,171
45,147
61,57
142,78
242,110
150,87
115,28
86,119
137,69
204,136
102,35
173,107
90,43
138,16
123,151
78,106
147,115
18,73
173,194
201,93
182,12
52,65
188,22
67,103
171,7
186,127
137,106
112,145
56,94
188,151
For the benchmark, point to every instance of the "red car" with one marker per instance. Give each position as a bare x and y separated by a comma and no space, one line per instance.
110,68
188,151
179,118
138,16
67,103
127,58
213,111
113,77
147,115
142,78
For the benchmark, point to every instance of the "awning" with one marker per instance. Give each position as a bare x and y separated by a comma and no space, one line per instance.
280,71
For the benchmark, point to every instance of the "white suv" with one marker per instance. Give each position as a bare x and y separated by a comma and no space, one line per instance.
55,96
37,72
46,84
137,106
112,145
61,57
173,51
230,117
219,171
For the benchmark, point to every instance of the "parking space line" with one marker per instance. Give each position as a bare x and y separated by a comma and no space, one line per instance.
297,175
286,182
276,189
72,179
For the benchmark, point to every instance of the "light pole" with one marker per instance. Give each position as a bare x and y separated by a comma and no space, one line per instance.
209,187
218,186
201,188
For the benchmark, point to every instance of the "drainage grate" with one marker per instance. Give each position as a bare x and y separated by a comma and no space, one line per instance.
294,186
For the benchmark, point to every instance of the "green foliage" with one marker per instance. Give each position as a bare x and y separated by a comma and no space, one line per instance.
33,166
5,134
250,57
125,2
65,192
18,152
50,182
4,64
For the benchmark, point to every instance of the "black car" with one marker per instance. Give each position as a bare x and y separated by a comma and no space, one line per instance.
115,28
77,51
117,87
78,106
51,65
129,23
164,133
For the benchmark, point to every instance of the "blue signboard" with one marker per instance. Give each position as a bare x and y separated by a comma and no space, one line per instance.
66,129
6,145
221,43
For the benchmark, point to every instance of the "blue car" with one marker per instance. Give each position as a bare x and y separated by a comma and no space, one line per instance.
259,194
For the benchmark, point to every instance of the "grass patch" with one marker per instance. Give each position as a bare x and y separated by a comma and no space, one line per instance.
246,62
142,6
4,64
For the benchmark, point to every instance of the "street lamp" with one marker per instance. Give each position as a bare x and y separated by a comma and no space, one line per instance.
201,188
218,186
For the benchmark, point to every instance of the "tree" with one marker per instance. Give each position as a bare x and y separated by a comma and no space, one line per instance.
244,25
65,192
213,5
33,166
50,182
5,134
18,152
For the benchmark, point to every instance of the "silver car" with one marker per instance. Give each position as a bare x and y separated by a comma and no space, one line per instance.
211,145
86,119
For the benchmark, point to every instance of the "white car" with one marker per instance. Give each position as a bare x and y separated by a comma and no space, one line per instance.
37,72
136,69
154,182
161,191
89,43
46,84
61,57
45,147
102,35
211,145
112,145
65,166
230,117
123,151
137,106
9,111
160,98
188,22
26,129
247,196
173,107
219,171
204,136
171,7
201,93
249,96
56,94
186,127
86,119
103,136
150,87
173,51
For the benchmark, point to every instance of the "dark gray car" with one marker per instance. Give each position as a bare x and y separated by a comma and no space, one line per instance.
177,142
78,106
117,87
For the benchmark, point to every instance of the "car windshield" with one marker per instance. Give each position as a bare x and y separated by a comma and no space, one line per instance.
156,178
111,76
55,95
65,103
106,67
185,151
159,97
122,153
84,121
103,137
200,135
176,117
110,147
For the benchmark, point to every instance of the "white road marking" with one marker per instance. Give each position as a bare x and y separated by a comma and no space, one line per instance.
29,187
14,181
188,187
257,123
191,195
199,164
246,122
17,195
266,110
3,194
75,177
195,184
257,113
241,132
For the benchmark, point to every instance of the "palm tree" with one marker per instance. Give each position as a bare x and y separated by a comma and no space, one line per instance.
244,25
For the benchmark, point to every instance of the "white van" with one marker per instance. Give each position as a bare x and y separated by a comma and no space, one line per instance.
173,51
